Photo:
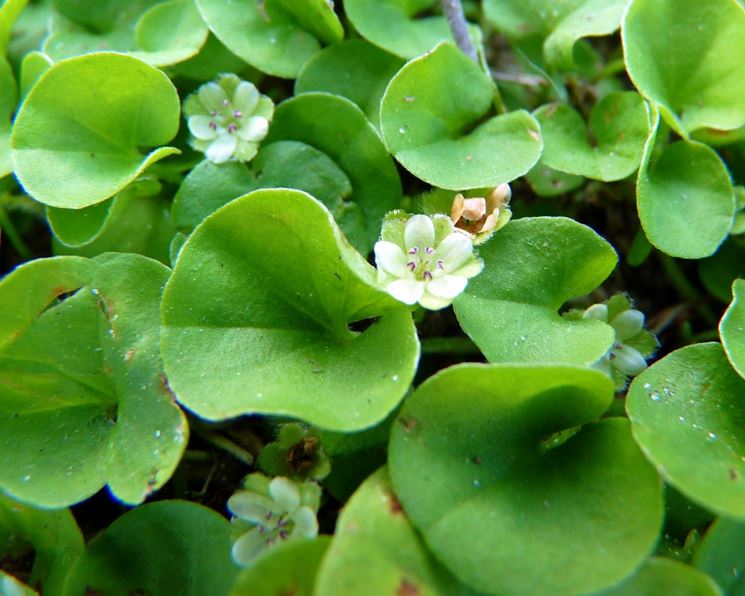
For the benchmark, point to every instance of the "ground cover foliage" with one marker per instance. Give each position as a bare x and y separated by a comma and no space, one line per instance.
372,297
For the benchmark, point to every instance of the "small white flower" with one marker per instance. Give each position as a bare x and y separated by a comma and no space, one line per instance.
228,119
626,359
432,274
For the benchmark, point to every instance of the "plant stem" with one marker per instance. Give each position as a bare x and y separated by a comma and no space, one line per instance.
15,238
448,345
687,290
226,444
453,11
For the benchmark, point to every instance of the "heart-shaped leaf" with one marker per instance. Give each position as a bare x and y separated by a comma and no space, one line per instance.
394,25
687,415
699,84
167,547
684,196
275,36
84,409
353,69
612,148
256,319
531,268
52,535
428,115
337,127
287,568
732,328
507,475
721,554
665,576
77,227
377,551
85,120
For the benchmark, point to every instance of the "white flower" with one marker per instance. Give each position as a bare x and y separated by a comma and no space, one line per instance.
432,274
228,119
627,324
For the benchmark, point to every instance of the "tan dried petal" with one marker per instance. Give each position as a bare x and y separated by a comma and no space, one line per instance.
457,209
474,209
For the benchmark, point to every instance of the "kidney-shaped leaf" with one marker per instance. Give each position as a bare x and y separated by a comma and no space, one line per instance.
687,413
700,82
337,127
256,319
664,576
377,551
85,121
514,485
612,148
275,36
685,197
169,547
394,25
52,535
531,268
732,328
428,116
83,400
721,554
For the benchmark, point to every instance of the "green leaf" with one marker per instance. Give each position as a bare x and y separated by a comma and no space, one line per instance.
507,475
135,224
289,568
590,18
76,227
33,66
686,414
663,576
9,12
212,60
168,548
52,535
377,551
531,268
256,316
393,26
432,118
338,128
170,32
83,400
275,36
719,270
85,120
8,99
732,328
612,147
11,586
527,18
722,555
685,197
353,69
101,16
547,182
700,83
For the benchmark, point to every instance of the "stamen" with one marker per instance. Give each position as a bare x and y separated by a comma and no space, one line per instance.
213,113
429,250
268,515
411,265
225,102
413,251
232,128
237,114
427,276
213,125
283,534
440,264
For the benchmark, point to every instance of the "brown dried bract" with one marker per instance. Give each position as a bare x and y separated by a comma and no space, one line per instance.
478,214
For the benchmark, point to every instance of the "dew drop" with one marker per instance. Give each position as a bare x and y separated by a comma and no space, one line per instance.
394,378
402,130
476,483
655,396
94,291
156,434
26,478
523,338
710,437
647,386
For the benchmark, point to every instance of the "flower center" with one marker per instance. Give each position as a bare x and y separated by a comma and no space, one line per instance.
226,117
423,264
276,527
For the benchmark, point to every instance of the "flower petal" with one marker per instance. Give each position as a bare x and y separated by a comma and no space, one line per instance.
447,286
245,98
285,493
248,547
407,291
306,524
200,127
597,311
627,324
221,149
391,259
454,251
472,268
212,96
250,506
419,232
432,302
628,360
254,129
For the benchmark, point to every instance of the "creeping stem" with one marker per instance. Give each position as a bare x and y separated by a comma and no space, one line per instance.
453,10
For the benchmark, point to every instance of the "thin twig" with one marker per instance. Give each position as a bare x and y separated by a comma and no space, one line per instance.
454,13
222,442
520,78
